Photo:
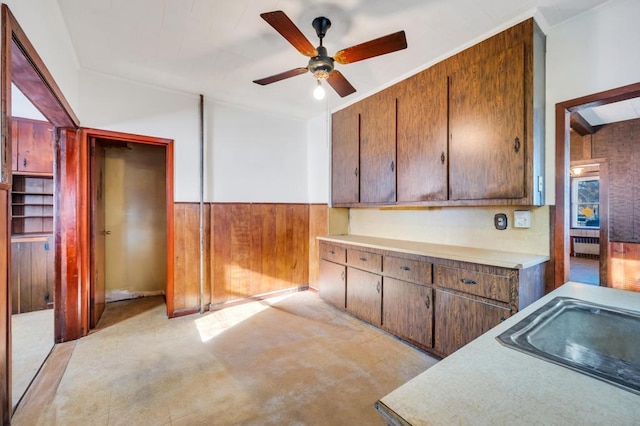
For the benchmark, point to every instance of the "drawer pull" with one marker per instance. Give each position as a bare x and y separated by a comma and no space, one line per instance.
468,281
331,252
378,287
405,268
503,318
342,276
364,259
427,302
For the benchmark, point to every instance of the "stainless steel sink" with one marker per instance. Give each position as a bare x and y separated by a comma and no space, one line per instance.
597,340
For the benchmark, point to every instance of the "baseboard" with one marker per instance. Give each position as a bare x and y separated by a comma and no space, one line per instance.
218,306
117,295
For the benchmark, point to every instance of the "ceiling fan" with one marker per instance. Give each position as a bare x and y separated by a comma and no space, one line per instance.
320,64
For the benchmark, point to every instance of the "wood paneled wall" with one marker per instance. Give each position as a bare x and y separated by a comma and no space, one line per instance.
186,271
318,225
624,266
251,249
619,143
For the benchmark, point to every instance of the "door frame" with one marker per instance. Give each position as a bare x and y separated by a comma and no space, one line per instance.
85,136
559,219
22,65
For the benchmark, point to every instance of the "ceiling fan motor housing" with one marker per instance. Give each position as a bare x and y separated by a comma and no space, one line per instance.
321,65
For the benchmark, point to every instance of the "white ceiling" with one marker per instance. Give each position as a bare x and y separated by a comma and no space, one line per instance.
218,47
611,113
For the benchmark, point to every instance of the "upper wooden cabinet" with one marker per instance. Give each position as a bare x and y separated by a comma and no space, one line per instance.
486,121
32,146
345,156
466,131
422,137
378,148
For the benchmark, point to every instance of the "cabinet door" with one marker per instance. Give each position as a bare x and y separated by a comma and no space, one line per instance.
35,147
459,320
332,283
40,283
406,311
345,156
378,148
364,295
422,137
487,145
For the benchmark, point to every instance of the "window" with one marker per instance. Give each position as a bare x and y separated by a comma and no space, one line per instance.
585,202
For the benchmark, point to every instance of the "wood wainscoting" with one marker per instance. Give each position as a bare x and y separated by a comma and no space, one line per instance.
624,266
251,249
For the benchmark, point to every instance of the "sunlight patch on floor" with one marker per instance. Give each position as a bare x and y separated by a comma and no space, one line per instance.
215,323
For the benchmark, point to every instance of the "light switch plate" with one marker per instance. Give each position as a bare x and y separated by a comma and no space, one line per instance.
522,219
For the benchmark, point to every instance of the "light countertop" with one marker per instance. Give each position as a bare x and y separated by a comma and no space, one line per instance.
499,258
487,383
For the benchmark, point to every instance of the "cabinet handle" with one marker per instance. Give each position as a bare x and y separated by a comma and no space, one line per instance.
442,158
24,162
378,287
364,259
393,166
427,302
503,318
355,172
516,144
332,252
468,281
405,268
342,276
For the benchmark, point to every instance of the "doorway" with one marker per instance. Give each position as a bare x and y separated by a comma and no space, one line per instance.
129,222
131,218
560,214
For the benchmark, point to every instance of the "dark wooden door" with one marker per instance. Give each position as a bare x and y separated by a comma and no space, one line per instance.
487,141
98,231
364,295
345,156
460,319
378,148
422,137
332,283
407,311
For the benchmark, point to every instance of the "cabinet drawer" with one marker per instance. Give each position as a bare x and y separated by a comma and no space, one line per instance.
364,260
496,287
410,270
333,253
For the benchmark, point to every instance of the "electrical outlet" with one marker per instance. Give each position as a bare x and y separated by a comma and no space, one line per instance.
500,221
522,219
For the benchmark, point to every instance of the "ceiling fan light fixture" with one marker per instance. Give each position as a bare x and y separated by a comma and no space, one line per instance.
318,92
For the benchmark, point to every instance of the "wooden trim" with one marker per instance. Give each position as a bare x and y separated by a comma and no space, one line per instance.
580,125
559,220
45,94
84,140
22,65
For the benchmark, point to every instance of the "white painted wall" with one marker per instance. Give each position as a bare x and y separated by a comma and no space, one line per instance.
594,52
110,103
256,156
43,24
319,158
22,107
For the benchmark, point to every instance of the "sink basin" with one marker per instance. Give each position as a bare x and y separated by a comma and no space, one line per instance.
597,340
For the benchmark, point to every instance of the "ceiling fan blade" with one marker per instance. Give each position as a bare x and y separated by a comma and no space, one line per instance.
287,29
340,84
379,46
281,76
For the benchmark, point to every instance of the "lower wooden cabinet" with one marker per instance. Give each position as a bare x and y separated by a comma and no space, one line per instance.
407,311
332,283
32,274
364,295
461,319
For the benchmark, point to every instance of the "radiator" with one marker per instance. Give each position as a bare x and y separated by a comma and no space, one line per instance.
586,246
